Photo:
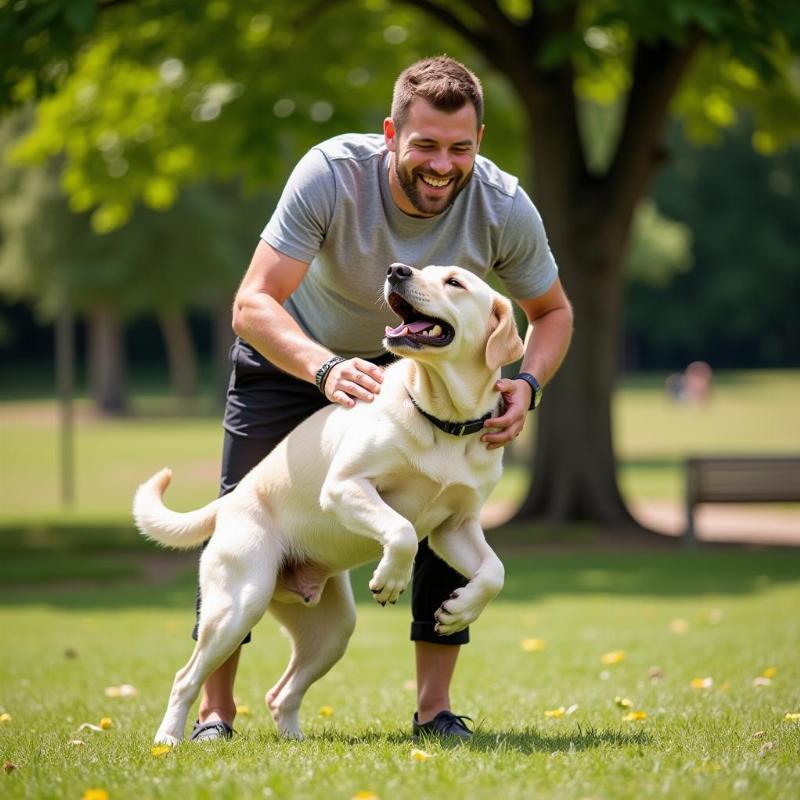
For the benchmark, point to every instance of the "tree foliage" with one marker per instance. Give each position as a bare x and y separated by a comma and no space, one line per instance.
737,304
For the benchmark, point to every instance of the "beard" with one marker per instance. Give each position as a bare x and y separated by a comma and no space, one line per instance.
409,182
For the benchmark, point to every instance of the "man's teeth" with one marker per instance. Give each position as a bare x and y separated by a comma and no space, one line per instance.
435,182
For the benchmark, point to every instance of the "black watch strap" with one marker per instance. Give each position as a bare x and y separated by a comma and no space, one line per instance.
322,372
536,388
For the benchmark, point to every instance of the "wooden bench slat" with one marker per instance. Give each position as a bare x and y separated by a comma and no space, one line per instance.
740,479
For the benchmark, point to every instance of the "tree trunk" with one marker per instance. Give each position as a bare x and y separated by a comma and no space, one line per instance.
181,356
223,339
574,469
107,362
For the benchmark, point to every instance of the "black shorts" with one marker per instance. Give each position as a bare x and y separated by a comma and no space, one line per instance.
264,405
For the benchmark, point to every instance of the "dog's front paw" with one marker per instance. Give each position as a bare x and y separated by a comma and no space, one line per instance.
389,581
457,613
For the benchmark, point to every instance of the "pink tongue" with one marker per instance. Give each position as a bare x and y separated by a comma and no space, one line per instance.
411,327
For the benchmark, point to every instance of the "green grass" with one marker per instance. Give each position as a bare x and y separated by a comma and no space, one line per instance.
749,412
741,610
82,607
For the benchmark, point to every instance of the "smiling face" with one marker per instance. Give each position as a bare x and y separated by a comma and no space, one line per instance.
432,156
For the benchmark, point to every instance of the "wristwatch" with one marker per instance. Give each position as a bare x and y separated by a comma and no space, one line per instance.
536,389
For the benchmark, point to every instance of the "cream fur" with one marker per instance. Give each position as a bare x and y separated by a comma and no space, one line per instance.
346,487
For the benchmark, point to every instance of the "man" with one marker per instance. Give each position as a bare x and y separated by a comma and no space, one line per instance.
310,326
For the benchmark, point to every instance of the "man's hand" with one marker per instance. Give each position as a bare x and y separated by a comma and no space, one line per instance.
351,380
517,400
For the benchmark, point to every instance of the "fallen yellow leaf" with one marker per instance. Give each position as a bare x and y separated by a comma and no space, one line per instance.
702,683
635,716
420,755
326,711
5,717
533,645
160,750
126,690
623,702
556,712
106,723
614,657
791,717
679,625
95,794
244,710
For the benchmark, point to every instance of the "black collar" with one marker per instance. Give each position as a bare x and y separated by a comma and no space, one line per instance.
453,428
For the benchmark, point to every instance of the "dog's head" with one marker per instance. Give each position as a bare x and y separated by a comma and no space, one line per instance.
448,312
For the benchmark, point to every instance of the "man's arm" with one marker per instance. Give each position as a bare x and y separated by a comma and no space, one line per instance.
261,320
551,317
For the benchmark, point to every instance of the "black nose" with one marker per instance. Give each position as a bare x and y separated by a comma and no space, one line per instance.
398,273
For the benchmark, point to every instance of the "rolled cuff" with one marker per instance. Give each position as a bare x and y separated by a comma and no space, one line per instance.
424,632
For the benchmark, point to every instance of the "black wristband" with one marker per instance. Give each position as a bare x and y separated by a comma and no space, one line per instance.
322,372
536,389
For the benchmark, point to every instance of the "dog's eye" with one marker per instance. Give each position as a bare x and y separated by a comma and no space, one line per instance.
454,282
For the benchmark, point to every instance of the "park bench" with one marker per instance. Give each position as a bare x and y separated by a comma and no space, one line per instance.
739,479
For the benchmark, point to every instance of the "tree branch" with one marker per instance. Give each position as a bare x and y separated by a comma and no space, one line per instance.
658,69
476,38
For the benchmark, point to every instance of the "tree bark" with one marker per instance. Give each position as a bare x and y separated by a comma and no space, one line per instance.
181,355
588,219
223,339
107,361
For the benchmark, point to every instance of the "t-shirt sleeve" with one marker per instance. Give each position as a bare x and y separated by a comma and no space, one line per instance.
301,219
525,263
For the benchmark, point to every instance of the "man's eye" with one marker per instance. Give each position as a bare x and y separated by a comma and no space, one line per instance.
454,282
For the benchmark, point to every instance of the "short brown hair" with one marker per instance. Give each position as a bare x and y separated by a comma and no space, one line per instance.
445,83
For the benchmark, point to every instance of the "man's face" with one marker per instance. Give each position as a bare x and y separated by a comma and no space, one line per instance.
434,154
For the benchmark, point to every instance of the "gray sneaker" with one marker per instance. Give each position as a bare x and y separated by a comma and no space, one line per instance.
207,731
445,725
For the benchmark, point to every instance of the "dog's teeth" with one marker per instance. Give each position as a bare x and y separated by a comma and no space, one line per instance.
436,330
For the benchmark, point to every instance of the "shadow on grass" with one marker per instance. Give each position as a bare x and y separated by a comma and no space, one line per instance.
115,569
528,740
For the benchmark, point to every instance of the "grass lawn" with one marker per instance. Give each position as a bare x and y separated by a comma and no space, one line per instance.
86,604
748,412
670,618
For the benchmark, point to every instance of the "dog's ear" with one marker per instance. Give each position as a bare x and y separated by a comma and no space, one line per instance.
503,344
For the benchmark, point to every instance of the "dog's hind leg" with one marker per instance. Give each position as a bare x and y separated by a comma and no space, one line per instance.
236,591
319,639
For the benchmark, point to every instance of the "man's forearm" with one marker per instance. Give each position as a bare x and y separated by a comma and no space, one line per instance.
265,325
548,344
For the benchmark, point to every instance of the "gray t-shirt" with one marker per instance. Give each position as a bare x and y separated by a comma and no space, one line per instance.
337,213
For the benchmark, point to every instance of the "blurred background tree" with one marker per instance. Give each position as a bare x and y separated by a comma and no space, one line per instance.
149,97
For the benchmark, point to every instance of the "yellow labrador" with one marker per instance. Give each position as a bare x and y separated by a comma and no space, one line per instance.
353,485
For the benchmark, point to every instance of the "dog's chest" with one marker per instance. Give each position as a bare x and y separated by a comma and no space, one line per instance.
433,489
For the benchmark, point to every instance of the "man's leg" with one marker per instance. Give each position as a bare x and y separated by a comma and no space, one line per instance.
435,666
239,455
436,656
216,702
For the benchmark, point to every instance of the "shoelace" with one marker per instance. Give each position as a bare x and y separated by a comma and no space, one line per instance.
458,721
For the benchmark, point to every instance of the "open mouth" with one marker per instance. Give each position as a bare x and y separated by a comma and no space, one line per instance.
435,183
416,329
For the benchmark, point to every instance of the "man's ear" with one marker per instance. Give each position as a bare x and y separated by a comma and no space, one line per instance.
503,344
390,135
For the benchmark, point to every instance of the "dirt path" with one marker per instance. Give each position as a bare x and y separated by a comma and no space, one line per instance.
736,524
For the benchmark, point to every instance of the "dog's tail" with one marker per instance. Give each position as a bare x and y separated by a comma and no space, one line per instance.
181,531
